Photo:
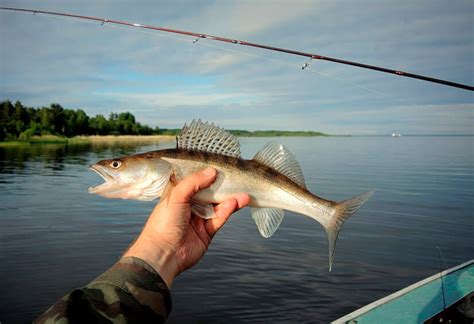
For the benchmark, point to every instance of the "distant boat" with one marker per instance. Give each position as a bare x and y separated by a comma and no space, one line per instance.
446,297
396,134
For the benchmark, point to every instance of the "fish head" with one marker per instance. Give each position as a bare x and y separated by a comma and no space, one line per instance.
130,177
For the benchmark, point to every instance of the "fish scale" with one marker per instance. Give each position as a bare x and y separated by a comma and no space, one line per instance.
273,179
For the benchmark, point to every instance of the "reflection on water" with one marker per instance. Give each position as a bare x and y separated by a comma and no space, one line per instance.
54,236
54,156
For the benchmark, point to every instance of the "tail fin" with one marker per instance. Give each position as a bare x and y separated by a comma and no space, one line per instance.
344,210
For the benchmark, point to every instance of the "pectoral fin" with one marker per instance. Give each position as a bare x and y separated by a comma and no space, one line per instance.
205,211
267,220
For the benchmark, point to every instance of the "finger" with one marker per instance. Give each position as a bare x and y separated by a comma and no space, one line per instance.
165,195
243,199
222,214
188,187
224,210
199,227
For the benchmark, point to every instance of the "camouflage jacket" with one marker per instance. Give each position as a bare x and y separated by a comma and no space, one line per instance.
129,292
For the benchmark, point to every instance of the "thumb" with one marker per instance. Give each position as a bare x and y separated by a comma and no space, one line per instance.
186,189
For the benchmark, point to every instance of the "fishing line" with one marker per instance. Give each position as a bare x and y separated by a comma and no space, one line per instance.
198,36
68,19
442,257
201,43
267,59
441,275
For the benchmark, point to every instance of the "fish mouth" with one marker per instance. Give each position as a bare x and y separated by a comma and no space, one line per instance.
105,175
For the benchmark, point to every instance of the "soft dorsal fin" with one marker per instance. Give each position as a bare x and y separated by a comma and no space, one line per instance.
207,137
279,158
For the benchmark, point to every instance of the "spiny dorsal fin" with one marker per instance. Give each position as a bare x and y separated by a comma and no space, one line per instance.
279,158
267,219
207,137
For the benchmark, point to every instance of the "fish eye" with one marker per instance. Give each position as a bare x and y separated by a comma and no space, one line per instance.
115,164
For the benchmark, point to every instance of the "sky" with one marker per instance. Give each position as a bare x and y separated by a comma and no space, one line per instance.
166,80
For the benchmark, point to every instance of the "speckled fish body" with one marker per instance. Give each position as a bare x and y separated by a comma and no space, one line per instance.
273,180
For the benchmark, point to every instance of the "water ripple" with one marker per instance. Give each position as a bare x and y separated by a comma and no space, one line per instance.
49,223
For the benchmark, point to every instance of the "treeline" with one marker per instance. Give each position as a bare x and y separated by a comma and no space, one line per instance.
20,122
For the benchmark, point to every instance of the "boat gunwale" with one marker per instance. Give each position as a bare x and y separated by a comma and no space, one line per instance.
384,300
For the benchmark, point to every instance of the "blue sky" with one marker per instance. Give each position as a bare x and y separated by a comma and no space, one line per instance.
166,80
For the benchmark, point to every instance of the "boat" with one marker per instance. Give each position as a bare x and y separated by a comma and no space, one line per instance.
446,297
396,134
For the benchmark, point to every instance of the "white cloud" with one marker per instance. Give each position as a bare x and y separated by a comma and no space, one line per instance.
245,18
173,99
82,65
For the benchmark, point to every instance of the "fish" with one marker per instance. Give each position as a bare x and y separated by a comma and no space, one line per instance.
273,179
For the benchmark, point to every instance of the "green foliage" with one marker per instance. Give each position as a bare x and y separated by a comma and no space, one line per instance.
24,123
29,133
168,131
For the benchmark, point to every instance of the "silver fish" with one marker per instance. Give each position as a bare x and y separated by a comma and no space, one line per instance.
273,180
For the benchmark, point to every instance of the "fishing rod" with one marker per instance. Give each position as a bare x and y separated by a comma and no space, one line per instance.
198,36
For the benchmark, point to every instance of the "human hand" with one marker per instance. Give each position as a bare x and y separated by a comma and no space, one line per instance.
173,238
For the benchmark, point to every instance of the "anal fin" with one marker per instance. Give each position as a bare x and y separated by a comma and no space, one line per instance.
267,219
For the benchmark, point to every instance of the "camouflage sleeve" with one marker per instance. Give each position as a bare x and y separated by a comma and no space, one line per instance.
131,291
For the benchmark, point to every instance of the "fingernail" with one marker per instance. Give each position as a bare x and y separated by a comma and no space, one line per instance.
209,172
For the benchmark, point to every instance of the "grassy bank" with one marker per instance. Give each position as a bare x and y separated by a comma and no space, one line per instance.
165,136
54,139
125,138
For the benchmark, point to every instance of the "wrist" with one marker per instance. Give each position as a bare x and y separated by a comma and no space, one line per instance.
160,258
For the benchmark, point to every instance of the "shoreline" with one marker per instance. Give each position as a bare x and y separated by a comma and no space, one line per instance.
124,138
104,139
93,139
55,139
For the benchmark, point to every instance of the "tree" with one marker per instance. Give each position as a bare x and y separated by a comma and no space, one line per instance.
46,120
99,125
18,121
82,122
58,119
7,111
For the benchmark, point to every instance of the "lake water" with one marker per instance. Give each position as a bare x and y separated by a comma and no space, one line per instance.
54,236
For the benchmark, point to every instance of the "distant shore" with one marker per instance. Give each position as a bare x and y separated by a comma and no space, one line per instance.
124,138
275,133
146,138
53,139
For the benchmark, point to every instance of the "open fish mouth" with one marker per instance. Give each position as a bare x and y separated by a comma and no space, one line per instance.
104,174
